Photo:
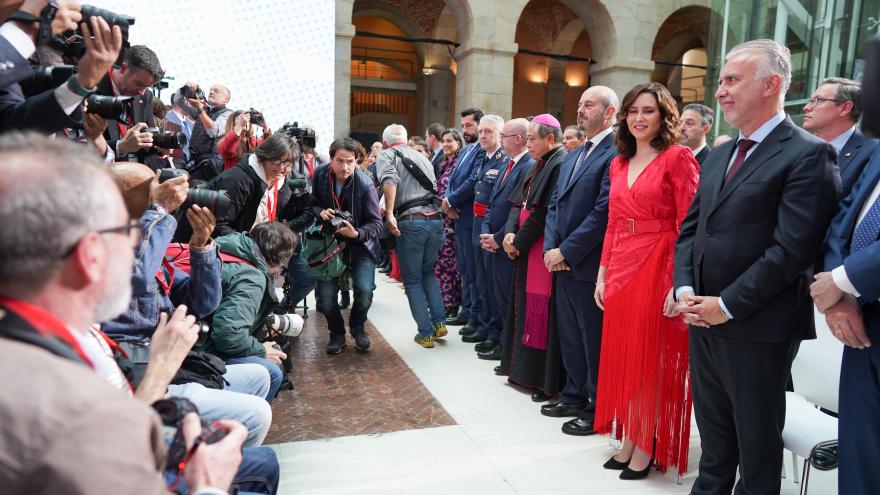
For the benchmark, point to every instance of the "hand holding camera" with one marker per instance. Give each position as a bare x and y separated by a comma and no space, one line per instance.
135,139
213,461
66,18
102,49
273,352
194,95
173,339
169,193
202,222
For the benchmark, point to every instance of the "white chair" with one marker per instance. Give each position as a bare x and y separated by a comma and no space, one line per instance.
816,376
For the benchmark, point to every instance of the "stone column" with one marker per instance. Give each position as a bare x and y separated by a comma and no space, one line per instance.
621,75
436,101
342,88
485,76
556,89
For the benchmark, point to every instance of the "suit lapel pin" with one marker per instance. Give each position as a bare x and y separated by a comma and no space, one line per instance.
847,154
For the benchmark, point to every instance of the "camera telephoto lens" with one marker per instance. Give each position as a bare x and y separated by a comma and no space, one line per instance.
168,140
112,18
118,108
216,201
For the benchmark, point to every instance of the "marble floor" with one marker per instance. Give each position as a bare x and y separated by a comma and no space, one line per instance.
499,444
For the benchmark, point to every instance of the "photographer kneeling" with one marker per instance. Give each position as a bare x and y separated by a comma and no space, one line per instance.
249,297
342,188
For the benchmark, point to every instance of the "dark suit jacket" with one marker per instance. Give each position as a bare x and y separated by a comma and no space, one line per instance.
437,162
578,210
701,156
40,113
754,242
19,68
862,268
499,204
542,183
460,189
853,157
143,112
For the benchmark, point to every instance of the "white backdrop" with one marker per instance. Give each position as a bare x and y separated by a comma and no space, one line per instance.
276,56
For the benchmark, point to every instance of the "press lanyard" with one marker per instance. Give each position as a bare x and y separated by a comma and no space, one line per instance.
47,324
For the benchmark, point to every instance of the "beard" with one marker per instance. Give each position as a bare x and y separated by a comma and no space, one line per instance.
116,293
469,138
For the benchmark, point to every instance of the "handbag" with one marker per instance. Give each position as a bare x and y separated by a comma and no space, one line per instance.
322,254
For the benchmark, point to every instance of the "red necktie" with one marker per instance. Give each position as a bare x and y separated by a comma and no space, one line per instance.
743,147
509,167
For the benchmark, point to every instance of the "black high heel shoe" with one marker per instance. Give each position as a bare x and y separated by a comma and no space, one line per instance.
615,465
629,474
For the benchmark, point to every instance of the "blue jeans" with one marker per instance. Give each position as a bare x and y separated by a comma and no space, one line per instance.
258,472
276,374
242,400
301,281
417,249
363,280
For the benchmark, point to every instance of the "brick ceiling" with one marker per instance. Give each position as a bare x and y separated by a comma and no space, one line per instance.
425,13
545,20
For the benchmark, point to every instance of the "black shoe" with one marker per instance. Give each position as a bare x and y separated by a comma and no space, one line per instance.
578,427
361,341
451,314
615,465
458,319
474,338
499,370
540,396
561,410
467,330
336,344
629,474
486,345
385,269
346,300
493,355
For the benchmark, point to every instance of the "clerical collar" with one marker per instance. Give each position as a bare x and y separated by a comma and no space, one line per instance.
548,155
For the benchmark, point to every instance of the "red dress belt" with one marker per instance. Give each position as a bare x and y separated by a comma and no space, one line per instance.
635,226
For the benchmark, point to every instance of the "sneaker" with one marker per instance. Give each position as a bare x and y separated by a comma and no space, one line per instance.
361,341
426,342
440,331
336,344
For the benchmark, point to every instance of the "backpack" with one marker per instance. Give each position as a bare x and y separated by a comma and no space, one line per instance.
178,255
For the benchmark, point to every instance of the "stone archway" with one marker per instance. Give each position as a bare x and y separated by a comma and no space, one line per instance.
679,53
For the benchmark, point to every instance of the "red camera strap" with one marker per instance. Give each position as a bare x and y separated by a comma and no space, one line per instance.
44,322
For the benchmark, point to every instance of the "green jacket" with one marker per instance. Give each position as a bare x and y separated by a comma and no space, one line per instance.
248,299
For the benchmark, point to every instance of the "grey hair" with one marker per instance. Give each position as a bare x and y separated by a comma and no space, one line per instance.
543,130
776,59
52,192
496,121
393,134
519,126
705,112
848,90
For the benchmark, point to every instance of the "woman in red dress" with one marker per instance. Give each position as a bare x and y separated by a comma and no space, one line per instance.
644,393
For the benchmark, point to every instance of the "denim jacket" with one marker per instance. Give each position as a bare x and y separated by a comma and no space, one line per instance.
200,290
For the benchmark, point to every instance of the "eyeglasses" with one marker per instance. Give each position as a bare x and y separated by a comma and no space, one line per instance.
816,100
132,229
508,135
282,164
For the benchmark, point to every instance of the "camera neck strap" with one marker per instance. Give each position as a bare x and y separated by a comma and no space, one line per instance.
164,284
338,202
46,324
272,202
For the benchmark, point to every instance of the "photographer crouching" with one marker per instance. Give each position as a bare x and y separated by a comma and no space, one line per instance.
347,206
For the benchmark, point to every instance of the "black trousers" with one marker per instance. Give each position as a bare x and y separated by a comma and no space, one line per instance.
859,420
739,402
579,323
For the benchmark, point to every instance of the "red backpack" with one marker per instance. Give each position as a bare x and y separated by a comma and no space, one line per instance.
178,255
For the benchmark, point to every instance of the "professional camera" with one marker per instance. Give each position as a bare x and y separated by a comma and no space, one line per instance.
333,225
112,18
46,77
304,136
194,94
120,108
167,140
216,201
289,325
257,118
299,186
172,411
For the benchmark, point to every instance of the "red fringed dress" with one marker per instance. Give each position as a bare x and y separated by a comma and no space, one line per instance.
643,375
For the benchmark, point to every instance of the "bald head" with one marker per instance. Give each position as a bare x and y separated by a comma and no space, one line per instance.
597,110
514,136
133,180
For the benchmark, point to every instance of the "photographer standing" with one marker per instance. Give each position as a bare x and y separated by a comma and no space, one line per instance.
257,186
139,71
210,124
339,188
410,186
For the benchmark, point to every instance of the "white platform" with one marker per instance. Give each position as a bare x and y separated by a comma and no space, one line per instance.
500,445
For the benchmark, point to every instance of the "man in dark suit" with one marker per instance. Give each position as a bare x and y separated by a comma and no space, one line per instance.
847,292
742,270
696,124
460,201
139,71
573,238
433,136
498,265
832,114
